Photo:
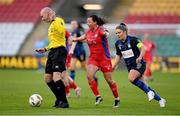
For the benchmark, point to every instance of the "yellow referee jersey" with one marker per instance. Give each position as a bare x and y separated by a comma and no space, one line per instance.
56,34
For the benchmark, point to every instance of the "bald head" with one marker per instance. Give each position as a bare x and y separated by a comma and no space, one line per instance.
47,14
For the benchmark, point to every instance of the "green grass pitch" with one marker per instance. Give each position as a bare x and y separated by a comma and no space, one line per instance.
17,85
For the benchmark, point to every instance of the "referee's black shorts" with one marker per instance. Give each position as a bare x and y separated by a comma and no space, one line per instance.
56,60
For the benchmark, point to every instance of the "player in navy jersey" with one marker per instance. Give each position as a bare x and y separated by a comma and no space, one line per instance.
132,51
79,52
69,83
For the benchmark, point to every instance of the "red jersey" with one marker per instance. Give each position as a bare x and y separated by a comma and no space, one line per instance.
97,42
68,59
67,37
99,51
149,46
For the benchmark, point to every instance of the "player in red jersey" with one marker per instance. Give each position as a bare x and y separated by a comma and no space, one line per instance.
99,58
69,83
148,57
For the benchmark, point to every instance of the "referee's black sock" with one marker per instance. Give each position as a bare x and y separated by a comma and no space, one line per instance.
52,85
61,90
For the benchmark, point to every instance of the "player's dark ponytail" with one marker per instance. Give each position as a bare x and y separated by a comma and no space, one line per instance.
100,21
122,26
80,27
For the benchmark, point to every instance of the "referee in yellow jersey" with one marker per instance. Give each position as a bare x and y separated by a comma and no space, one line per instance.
55,69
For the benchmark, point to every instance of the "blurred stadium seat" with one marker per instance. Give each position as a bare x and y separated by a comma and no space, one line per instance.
17,19
166,47
157,12
154,11
20,26
12,36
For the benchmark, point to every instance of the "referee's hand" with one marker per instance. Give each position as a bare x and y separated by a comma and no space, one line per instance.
40,50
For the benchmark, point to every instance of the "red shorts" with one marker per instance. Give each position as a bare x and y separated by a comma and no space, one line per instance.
103,63
148,60
68,60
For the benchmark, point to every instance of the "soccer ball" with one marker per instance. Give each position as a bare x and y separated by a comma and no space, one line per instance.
35,100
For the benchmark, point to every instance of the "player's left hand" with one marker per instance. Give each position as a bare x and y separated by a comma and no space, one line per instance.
138,60
40,50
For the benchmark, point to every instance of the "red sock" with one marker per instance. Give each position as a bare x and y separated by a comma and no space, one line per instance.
148,72
94,88
67,89
73,85
114,90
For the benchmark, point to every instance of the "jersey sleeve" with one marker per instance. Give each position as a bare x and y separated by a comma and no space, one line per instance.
136,42
60,25
48,47
101,31
57,27
118,51
67,34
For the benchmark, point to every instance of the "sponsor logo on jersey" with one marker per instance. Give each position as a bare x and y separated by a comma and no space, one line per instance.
127,54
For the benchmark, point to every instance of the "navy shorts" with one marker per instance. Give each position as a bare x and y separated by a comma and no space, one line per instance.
140,67
81,56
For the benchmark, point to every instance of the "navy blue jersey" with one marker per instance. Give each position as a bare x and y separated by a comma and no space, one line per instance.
129,51
79,51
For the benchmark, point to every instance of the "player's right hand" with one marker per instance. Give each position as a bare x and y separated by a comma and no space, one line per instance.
40,50
74,39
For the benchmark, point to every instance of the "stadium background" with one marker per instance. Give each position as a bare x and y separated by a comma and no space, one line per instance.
21,27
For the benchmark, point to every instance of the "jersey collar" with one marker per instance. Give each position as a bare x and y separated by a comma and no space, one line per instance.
94,30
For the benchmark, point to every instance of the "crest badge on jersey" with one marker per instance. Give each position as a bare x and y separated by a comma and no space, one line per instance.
96,35
119,46
129,45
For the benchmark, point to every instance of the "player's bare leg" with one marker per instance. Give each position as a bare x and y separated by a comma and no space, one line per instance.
67,86
113,86
134,79
91,70
84,66
73,85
